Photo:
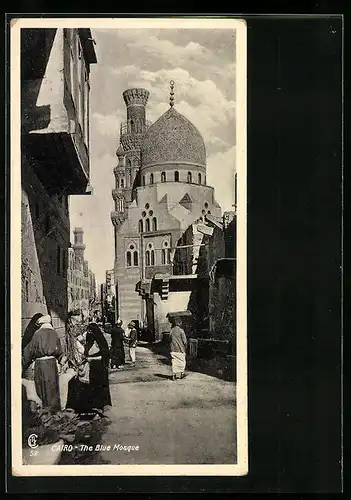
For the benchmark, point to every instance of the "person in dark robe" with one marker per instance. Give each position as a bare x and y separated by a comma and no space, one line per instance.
80,393
98,354
31,328
117,345
45,349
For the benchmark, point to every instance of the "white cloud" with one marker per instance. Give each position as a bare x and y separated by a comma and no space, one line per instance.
221,169
202,102
173,54
204,93
106,125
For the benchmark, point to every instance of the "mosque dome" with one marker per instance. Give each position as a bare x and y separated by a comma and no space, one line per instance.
172,139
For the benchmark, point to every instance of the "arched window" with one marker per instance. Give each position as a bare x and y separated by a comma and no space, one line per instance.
147,228
152,257
122,183
117,183
199,178
189,177
129,259
143,180
154,224
176,176
141,226
165,254
151,178
147,258
135,258
129,163
163,176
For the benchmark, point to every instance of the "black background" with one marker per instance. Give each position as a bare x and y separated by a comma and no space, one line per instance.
294,274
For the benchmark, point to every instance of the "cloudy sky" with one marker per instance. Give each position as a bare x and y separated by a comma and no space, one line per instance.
202,64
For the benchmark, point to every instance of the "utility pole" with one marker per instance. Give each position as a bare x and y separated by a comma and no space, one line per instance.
116,302
102,303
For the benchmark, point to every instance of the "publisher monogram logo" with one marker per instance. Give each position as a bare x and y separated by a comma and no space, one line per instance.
32,441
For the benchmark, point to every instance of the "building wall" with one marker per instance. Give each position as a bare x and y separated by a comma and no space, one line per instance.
222,289
222,308
175,206
54,163
43,107
45,240
81,284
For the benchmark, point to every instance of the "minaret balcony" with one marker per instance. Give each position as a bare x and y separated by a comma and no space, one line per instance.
118,218
128,127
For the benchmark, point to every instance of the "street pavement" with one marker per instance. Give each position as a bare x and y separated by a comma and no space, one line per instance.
188,421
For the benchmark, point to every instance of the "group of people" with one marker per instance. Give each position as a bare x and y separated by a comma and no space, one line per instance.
118,338
88,387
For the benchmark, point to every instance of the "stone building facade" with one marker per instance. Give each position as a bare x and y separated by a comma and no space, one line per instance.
81,280
161,197
55,68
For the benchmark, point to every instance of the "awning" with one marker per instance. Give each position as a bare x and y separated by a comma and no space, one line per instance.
179,314
223,268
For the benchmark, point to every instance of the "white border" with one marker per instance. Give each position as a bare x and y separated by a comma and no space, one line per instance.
239,469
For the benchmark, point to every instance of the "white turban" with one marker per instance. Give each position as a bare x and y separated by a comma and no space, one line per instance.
44,319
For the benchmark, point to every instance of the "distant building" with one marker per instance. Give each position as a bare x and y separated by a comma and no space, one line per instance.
110,284
108,292
221,295
81,280
161,198
55,67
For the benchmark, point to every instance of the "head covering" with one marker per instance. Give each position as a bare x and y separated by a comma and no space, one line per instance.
44,319
82,337
94,333
177,321
32,327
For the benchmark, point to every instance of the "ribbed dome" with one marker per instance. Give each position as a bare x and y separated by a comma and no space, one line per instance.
172,138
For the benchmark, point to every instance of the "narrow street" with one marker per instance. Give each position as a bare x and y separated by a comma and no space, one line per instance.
189,421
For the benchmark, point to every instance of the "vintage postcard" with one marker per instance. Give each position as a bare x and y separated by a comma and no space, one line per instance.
128,247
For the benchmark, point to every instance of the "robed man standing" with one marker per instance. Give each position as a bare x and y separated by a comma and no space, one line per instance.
45,349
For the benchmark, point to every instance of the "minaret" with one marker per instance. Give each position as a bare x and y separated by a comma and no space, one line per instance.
131,135
128,153
78,245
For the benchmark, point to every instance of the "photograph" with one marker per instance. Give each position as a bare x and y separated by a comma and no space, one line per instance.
128,247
